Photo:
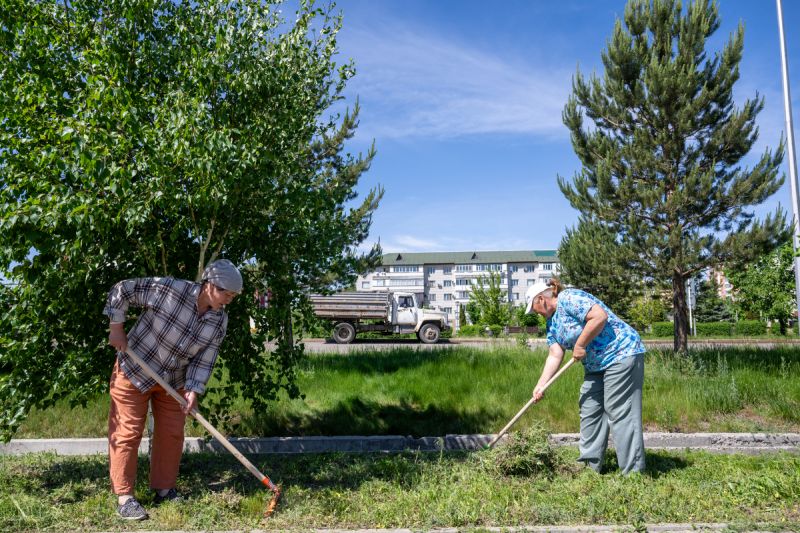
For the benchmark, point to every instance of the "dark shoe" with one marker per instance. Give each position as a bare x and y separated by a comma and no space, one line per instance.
171,496
132,510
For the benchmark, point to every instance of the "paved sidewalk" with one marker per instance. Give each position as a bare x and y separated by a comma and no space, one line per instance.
750,443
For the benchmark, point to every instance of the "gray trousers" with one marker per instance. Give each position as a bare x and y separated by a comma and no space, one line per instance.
612,399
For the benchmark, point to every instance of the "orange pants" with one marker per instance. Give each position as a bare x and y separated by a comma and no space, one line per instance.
126,421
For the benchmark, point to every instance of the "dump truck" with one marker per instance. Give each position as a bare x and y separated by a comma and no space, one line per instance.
383,312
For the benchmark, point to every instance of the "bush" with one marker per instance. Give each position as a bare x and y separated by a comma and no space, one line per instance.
470,330
714,329
496,330
663,329
749,328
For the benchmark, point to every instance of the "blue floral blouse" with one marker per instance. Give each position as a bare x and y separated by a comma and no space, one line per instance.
616,341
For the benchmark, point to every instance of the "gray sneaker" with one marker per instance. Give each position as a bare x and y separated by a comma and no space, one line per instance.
171,496
131,510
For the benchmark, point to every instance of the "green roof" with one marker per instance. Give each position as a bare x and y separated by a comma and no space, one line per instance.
444,258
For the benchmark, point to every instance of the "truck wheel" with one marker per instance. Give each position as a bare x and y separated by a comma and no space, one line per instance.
429,333
344,333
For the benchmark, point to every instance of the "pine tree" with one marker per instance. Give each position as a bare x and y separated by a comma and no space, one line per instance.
592,259
661,162
709,307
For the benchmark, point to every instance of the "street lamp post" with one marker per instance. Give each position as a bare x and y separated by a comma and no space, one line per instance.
787,104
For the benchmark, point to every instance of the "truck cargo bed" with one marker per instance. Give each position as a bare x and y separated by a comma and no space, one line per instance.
352,305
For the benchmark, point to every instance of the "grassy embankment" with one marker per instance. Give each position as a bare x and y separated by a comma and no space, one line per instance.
466,390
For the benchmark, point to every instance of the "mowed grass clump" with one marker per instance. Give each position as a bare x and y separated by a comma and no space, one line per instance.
467,390
409,490
524,453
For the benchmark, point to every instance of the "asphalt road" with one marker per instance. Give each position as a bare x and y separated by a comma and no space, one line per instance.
329,346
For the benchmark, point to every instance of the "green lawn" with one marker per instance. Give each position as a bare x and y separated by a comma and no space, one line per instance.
413,490
467,390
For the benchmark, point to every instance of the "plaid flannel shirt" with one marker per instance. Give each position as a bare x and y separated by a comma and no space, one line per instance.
169,335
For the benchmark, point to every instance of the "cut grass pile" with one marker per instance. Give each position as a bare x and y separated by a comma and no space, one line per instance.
412,490
467,390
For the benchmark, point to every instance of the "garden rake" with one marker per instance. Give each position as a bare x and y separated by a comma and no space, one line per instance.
530,402
276,491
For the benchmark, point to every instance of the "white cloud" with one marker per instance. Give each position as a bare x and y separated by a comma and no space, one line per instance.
408,243
419,85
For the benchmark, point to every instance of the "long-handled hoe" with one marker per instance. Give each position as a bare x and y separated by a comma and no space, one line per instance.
276,491
527,405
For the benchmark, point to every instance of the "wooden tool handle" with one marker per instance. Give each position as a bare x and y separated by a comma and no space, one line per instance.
530,402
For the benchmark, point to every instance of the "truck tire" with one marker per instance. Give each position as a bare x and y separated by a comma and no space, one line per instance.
429,333
344,333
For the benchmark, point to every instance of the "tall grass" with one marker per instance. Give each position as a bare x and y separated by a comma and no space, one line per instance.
467,390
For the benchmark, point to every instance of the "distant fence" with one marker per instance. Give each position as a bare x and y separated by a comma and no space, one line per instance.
532,330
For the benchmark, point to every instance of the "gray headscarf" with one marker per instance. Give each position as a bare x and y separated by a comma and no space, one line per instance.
224,275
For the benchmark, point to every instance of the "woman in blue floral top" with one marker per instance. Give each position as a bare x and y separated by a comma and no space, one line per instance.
613,358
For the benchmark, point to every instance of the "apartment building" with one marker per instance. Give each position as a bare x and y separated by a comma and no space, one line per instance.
724,287
443,280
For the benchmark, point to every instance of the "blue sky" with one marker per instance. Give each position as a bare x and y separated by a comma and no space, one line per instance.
463,100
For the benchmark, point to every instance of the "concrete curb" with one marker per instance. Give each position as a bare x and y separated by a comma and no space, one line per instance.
748,443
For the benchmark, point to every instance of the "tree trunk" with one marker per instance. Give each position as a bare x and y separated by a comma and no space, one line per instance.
681,314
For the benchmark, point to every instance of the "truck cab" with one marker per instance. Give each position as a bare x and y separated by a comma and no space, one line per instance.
409,317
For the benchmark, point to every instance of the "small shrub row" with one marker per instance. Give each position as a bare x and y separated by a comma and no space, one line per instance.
744,328
714,329
479,330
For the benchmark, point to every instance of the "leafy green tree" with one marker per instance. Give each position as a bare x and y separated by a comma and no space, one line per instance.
462,315
646,310
593,259
149,137
709,306
766,287
490,300
525,319
661,160
474,312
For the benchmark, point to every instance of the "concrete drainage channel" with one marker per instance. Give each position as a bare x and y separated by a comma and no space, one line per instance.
748,443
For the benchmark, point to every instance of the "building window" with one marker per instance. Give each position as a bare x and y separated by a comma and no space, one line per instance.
380,282
431,270
447,270
432,298
464,281
365,284
547,266
462,294
513,268
406,268
411,282
463,268
531,282
448,283
516,296
448,310
448,297
514,282
530,268
490,267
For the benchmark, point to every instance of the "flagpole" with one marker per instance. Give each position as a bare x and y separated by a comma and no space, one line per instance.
787,105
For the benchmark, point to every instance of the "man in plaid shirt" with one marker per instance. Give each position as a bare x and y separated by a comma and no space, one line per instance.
178,334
